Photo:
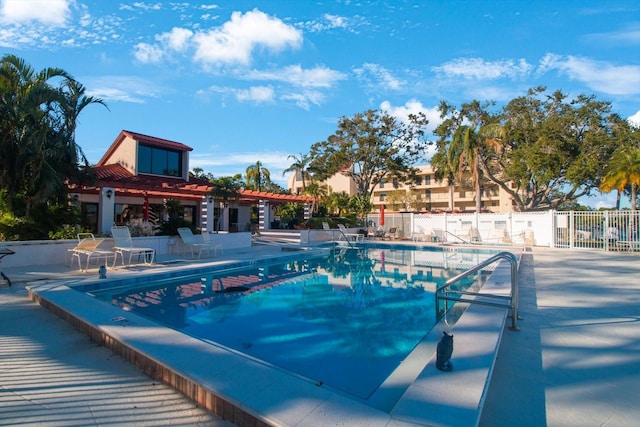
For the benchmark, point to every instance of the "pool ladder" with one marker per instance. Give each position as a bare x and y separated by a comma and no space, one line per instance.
444,292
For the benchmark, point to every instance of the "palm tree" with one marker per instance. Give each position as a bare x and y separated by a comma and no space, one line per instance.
299,165
225,188
446,166
623,170
337,203
318,192
257,176
38,152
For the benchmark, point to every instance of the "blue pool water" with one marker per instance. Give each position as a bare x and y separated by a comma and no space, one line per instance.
346,319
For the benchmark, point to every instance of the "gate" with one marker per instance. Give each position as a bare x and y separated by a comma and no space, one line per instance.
606,230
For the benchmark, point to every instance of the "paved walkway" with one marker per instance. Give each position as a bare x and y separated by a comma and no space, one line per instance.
576,359
575,362
52,375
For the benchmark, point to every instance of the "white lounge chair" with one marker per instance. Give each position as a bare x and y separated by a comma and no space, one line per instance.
189,239
88,246
214,241
391,234
122,244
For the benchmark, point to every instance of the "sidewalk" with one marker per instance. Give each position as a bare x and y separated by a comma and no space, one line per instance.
576,360
51,375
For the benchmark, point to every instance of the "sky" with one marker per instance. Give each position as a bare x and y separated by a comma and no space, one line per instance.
246,81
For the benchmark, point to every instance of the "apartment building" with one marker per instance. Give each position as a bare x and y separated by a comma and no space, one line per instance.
426,194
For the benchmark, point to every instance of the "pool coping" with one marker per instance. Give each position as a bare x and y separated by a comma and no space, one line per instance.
247,392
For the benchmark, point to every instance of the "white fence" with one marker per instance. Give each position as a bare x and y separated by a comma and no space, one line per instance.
606,230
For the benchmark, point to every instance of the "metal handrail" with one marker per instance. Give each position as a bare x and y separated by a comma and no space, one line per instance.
345,237
512,303
457,237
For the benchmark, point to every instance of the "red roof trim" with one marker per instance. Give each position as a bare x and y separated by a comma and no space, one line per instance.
125,183
144,139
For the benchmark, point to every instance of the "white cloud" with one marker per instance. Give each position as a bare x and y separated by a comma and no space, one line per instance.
255,93
177,39
413,107
49,12
145,6
327,22
635,119
628,35
122,89
597,75
238,38
221,164
148,53
377,76
305,99
330,22
297,76
480,69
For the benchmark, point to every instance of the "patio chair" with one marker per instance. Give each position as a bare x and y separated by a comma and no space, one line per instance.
391,234
214,241
189,239
122,244
439,236
88,246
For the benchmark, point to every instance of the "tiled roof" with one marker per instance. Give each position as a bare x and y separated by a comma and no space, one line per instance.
157,142
125,183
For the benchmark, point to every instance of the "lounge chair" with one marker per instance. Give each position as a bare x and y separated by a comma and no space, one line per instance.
391,234
122,244
214,241
439,235
88,246
189,239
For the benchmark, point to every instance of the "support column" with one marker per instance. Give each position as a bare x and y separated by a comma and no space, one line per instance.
307,211
264,215
206,225
224,216
107,203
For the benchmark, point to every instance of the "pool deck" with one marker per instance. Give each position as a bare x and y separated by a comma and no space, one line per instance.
574,362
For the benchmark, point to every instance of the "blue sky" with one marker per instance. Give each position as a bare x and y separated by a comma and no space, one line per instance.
244,81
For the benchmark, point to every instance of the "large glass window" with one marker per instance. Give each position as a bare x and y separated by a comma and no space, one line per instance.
158,161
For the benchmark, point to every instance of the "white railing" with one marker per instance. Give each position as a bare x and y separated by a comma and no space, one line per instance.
604,230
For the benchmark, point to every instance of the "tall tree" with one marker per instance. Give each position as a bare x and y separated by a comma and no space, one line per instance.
299,166
38,152
257,177
555,143
370,147
465,138
549,150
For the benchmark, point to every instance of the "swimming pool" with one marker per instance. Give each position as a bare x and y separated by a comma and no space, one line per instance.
346,319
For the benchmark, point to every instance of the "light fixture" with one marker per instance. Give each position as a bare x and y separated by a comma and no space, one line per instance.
109,194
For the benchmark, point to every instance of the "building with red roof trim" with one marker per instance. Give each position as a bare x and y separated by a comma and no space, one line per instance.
138,173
